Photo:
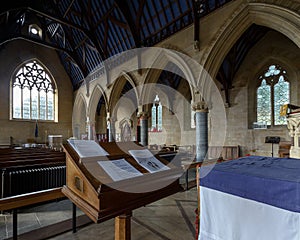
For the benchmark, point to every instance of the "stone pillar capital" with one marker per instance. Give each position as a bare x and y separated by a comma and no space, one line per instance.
142,114
200,106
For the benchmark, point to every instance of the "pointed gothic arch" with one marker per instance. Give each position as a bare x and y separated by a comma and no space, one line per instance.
33,92
275,17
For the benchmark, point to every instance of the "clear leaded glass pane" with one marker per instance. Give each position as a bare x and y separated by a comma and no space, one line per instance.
159,117
153,117
281,96
43,105
264,103
193,119
26,103
17,98
34,103
50,106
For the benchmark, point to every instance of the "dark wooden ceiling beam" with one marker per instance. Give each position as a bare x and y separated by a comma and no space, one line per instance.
114,39
86,13
106,29
157,15
138,18
81,66
71,54
151,19
60,20
118,22
105,16
179,7
196,12
172,11
134,29
68,8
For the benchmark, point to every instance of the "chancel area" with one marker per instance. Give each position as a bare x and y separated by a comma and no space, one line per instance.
152,119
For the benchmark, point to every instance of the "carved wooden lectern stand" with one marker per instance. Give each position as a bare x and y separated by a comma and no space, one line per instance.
90,188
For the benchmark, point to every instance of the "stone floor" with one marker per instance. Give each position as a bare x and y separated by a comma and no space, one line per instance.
171,218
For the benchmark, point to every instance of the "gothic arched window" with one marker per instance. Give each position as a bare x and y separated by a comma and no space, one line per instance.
273,92
33,93
156,115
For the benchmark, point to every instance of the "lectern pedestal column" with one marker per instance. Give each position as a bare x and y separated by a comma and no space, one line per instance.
123,227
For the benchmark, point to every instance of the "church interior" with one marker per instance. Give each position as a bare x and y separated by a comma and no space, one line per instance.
198,83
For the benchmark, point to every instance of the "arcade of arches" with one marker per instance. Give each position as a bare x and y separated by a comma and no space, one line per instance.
107,110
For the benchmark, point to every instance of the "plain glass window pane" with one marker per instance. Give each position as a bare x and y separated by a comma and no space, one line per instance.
264,103
50,106
43,105
17,102
34,103
153,118
26,103
159,117
281,97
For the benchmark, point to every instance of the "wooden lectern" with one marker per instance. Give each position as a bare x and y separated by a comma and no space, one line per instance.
91,189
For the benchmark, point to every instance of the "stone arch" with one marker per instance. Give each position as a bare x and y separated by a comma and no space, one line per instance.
79,116
276,17
117,87
97,93
121,106
161,61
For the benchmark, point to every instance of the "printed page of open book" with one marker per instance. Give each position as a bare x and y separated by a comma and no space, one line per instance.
148,161
119,169
87,148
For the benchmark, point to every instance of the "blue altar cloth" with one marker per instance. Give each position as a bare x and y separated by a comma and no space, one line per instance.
274,181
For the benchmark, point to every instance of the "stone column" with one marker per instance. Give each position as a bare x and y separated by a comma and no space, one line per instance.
111,128
91,129
201,122
291,128
143,120
138,130
76,131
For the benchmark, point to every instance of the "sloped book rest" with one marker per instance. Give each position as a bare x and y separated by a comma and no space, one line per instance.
112,179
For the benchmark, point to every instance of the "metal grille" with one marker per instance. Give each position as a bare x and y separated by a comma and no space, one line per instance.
20,181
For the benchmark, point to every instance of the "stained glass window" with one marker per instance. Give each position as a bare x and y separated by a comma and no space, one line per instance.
273,92
33,93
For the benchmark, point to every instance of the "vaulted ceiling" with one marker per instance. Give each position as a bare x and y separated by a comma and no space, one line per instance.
86,32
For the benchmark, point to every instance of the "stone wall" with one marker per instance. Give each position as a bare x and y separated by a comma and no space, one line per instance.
274,48
218,32
11,56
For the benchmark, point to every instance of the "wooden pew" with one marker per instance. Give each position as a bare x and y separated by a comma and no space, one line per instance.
284,149
223,152
215,154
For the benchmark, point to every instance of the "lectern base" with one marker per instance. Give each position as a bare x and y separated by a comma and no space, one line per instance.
123,227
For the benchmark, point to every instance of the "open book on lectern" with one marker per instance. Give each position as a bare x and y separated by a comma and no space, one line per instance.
148,161
87,148
92,155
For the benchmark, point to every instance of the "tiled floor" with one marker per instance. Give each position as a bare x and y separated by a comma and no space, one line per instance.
171,218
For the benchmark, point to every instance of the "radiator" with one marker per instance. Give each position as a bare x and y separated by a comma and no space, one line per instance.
19,181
